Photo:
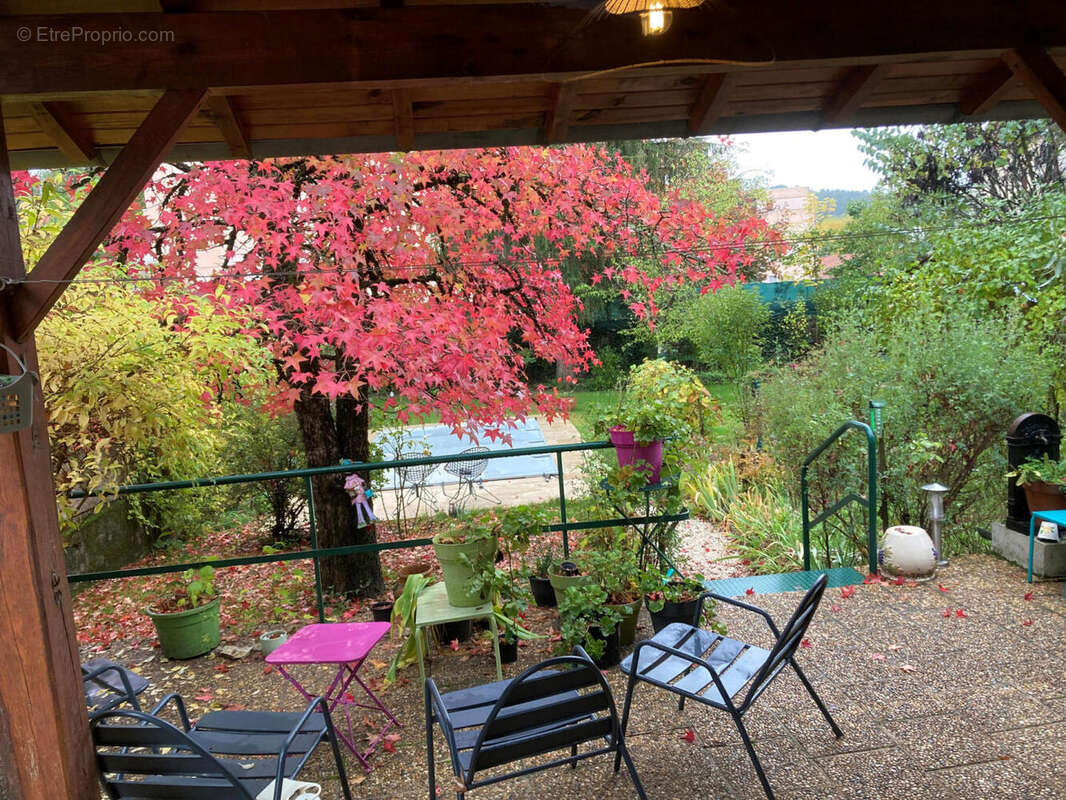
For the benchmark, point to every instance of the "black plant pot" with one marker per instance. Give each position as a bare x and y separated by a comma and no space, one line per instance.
612,651
454,631
673,612
382,611
543,593
508,651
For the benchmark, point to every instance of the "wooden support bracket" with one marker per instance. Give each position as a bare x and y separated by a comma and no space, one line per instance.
99,212
53,121
557,120
1042,76
711,104
853,91
220,110
989,89
404,119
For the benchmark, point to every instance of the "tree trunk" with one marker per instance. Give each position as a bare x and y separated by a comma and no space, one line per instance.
359,574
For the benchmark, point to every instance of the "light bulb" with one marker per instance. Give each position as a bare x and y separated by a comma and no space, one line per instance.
655,19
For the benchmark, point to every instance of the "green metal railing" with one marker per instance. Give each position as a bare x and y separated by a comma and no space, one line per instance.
869,502
315,553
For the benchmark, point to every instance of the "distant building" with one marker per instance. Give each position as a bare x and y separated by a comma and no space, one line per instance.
793,207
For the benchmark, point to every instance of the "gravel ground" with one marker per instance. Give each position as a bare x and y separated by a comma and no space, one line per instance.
705,549
947,689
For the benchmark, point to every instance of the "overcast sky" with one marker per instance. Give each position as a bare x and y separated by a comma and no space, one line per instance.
819,160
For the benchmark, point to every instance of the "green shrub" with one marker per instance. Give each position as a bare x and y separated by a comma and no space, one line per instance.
727,328
609,373
951,384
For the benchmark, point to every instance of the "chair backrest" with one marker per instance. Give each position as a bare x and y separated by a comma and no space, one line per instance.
552,705
414,475
791,637
108,685
129,749
468,470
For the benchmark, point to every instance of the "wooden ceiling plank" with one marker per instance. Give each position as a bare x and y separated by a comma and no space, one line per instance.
711,104
403,119
989,89
99,212
55,123
220,111
1042,76
557,120
854,90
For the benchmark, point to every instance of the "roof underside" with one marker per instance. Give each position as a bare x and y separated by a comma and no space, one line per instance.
290,77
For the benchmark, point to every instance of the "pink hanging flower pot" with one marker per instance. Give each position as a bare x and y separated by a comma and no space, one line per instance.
630,451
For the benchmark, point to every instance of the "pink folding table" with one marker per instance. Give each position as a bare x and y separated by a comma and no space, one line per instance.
347,645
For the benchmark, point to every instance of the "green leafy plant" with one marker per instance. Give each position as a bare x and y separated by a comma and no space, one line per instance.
470,529
660,399
1040,470
661,590
403,622
712,494
191,589
581,609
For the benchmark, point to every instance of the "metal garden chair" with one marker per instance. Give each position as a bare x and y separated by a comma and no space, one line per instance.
469,473
712,669
554,705
141,755
413,482
108,685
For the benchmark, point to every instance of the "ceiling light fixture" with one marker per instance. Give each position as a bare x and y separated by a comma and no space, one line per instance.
655,15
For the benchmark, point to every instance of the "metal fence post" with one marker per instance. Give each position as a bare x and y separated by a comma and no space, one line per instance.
314,546
562,504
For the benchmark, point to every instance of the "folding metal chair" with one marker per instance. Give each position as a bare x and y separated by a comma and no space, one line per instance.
108,685
712,669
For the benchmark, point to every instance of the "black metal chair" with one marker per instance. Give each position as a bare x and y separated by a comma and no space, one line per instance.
712,669
142,755
108,685
554,705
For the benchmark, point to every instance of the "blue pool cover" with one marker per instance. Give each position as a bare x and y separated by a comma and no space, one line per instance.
440,441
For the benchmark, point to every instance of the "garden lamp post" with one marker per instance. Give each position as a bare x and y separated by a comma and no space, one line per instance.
936,516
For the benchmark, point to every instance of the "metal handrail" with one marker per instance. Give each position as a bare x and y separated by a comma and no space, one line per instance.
869,502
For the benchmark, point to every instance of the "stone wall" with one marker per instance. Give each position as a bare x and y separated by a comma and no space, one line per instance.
106,540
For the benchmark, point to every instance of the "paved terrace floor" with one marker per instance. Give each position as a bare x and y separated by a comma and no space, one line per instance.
956,693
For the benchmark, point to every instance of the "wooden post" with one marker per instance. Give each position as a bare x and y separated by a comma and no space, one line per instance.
44,736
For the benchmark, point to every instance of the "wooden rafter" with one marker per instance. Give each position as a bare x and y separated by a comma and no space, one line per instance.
403,119
858,84
1042,76
987,91
557,120
72,143
711,104
220,109
95,217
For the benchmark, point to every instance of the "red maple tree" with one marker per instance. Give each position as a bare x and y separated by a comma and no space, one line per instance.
425,276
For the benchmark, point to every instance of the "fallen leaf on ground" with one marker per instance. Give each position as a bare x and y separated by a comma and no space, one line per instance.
834,607
454,644
1027,623
805,643
960,613
847,591
907,668
942,587
895,647
877,656
946,614
689,736
1028,595
749,590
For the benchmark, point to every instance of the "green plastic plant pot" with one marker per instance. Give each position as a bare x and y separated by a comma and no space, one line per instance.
187,634
457,574
560,582
627,628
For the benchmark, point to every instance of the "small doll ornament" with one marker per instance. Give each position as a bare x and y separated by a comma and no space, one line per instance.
360,494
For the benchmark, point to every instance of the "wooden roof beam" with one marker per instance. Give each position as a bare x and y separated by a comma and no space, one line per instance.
220,110
55,124
711,104
853,91
1042,76
404,119
988,90
99,212
557,120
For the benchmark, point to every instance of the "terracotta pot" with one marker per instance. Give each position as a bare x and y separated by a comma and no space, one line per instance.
1044,496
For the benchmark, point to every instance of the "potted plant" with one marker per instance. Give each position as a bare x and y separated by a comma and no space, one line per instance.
674,599
510,600
403,621
659,400
1043,481
611,561
462,551
587,620
539,582
564,574
186,618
